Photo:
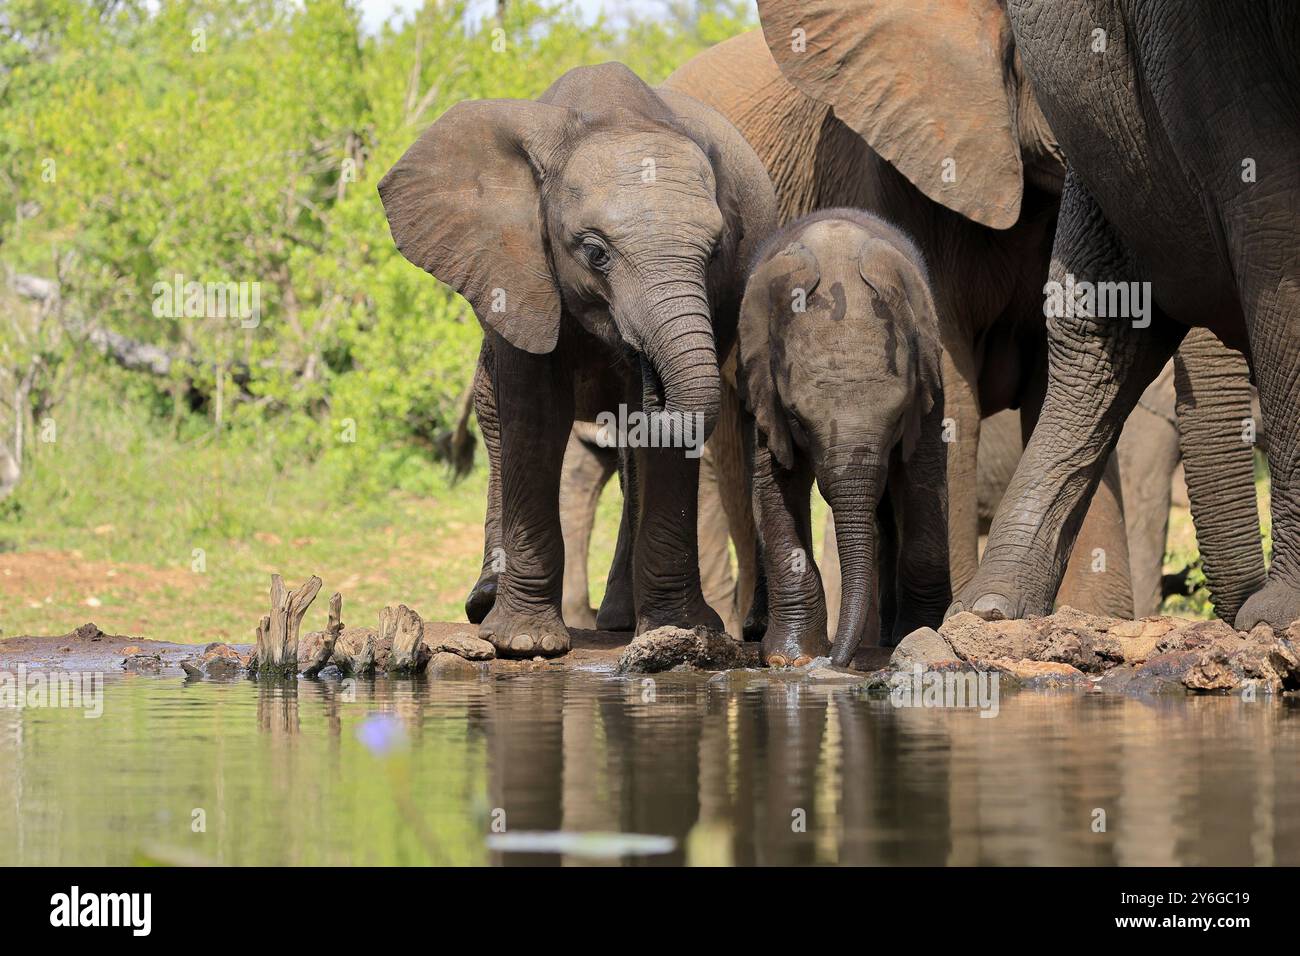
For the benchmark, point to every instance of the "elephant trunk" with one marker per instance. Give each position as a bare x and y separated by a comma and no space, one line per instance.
682,388
1214,406
853,488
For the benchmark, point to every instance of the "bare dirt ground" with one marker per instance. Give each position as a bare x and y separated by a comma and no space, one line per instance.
44,579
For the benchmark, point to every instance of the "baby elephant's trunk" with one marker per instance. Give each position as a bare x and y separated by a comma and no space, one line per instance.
853,484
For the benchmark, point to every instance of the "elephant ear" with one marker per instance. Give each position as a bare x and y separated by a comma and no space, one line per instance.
878,259
767,300
463,204
923,81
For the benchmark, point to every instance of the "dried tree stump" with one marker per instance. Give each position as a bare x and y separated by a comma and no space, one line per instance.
277,634
332,632
404,629
355,651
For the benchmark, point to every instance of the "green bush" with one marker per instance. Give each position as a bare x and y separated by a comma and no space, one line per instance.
241,143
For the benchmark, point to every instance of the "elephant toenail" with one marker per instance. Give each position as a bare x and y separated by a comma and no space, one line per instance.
802,661
776,660
992,607
521,642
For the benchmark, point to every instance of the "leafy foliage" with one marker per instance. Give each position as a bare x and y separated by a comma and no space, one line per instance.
149,144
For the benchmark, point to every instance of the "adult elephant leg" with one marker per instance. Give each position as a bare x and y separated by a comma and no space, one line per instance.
534,399
1214,407
1271,299
716,581
756,620
665,550
618,609
1001,444
796,611
962,411
924,587
1097,370
484,593
587,468
1148,457
731,466
830,565
1097,576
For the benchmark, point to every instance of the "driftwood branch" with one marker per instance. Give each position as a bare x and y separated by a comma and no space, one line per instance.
332,632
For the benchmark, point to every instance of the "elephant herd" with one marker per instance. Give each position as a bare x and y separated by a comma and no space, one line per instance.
834,246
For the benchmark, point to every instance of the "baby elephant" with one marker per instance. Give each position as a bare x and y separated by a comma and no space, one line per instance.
840,368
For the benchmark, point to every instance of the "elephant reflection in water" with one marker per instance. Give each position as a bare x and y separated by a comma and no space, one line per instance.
561,757
1036,785
751,770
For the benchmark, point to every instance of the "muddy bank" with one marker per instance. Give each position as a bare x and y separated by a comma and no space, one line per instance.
90,649
1069,650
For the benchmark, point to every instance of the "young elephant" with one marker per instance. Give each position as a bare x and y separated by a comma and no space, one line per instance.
599,233
839,366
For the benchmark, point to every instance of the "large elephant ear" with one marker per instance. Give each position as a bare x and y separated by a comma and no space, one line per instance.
762,345
923,81
463,204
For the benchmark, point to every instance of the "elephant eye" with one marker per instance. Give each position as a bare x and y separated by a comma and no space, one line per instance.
597,256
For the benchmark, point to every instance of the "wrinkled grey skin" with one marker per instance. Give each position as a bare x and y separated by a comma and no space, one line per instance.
1149,453
724,513
840,368
1157,130
826,141
588,467
599,234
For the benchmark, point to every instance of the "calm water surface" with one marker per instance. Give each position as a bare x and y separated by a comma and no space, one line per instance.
739,768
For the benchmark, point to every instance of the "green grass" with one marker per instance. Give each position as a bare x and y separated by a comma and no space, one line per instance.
150,536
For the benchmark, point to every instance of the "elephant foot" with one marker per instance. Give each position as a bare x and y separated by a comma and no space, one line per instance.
996,594
794,650
537,633
580,616
1276,604
617,612
481,599
696,613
